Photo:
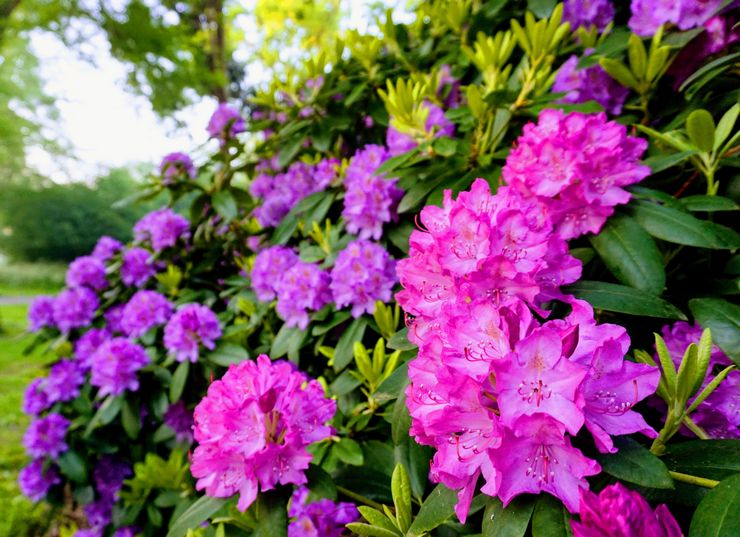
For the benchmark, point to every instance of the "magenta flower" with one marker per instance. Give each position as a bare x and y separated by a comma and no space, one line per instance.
619,512
191,326
304,287
162,228
137,267
144,311
535,456
436,125
225,123
35,481
87,271
106,247
45,436
253,428
176,165
41,313
577,165
269,267
370,201
363,273
75,308
114,366
588,13
321,518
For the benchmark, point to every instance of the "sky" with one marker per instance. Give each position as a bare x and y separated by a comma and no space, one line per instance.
106,125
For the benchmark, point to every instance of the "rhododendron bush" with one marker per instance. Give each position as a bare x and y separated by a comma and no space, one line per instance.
475,275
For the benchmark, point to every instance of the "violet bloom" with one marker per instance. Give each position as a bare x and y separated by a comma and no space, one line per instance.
162,228
88,343
35,481
191,326
35,399
176,165
370,201
113,318
436,125
321,518
88,532
269,267
304,287
45,436
617,511
137,267
225,123
589,84
114,366
75,308
720,33
577,165
64,381
41,313
106,247
87,271
180,419
99,514
588,13
649,15
109,475
363,273
128,531
253,429
144,311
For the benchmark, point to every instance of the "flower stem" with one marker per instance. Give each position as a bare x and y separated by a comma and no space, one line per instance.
360,498
694,480
694,428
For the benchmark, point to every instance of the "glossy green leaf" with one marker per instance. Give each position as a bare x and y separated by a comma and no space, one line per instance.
623,299
131,419
400,420
723,319
658,163
712,459
225,205
178,381
437,508
700,128
619,72
366,530
401,489
227,353
200,511
106,413
288,338
725,126
717,514
710,204
343,353
509,521
635,464
349,451
270,510
630,254
71,464
550,518
399,341
376,518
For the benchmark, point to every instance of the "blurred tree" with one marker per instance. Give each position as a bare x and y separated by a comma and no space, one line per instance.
61,222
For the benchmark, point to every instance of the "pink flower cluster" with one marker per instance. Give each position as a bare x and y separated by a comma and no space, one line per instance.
576,164
497,393
253,428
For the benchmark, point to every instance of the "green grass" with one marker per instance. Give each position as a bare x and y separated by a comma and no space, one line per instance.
18,516
27,279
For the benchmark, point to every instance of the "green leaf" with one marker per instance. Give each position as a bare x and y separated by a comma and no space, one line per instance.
658,163
437,508
721,61
106,413
619,72
723,319
401,489
541,8
630,254
197,513
225,204
366,530
271,514
725,126
400,420
393,386
678,227
349,451
290,150
72,465
288,338
178,381
637,56
635,464
445,146
320,483
712,459
717,514
227,353
709,204
131,419
509,521
700,128
399,341
376,518
623,299
551,518
343,353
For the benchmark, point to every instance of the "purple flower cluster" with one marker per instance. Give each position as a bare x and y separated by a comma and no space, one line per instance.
588,13
191,326
114,365
225,123
649,15
436,125
35,481
145,310
719,414
75,308
180,420
576,164
304,287
363,273
41,313
106,247
113,318
176,165
88,343
589,84
62,384
370,200
87,271
322,518
269,267
281,192
138,266
162,228
109,475
620,512
45,436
